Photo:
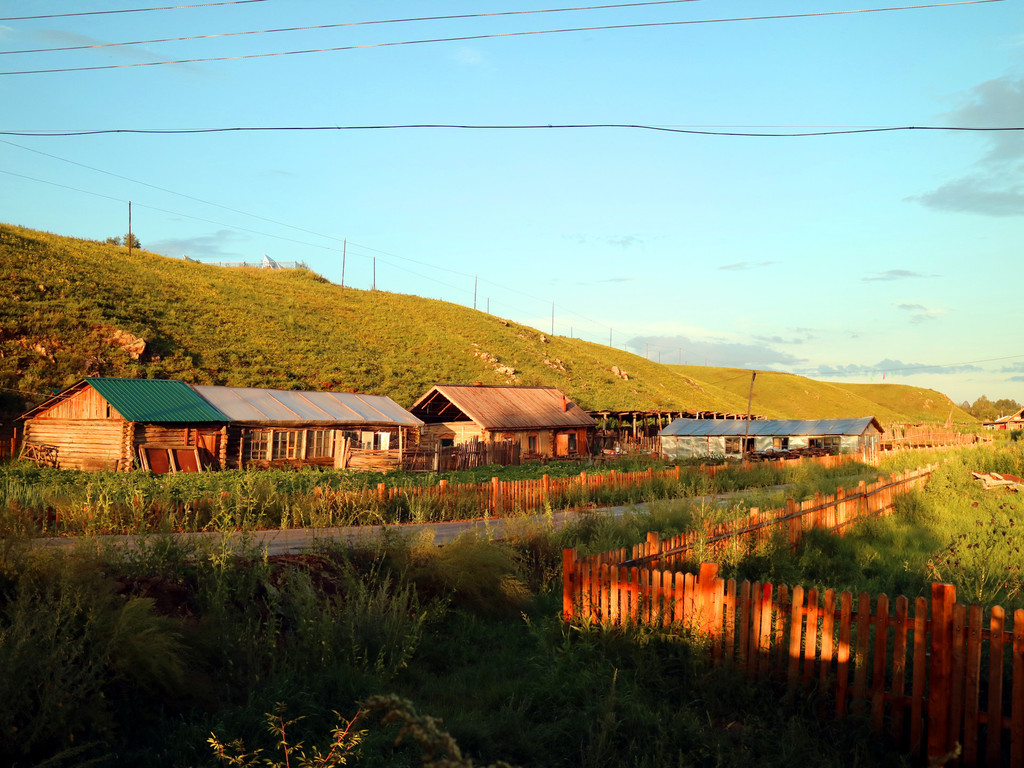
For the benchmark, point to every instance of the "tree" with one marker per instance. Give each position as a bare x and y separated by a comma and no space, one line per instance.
130,238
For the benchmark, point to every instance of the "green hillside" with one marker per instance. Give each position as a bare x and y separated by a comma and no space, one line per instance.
70,308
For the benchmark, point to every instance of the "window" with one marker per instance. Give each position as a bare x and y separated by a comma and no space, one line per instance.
319,444
258,445
733,445
572,442
383,441
531,444
286,445
780,443
366,441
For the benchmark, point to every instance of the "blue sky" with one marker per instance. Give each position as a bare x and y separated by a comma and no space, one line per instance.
843,257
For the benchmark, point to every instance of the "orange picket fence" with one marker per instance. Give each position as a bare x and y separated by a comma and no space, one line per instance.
936,676
940,679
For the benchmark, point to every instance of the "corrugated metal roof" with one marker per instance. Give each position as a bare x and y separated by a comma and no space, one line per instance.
510,408
155,400
769,427
278,406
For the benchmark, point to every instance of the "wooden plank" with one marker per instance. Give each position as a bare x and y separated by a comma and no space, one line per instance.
920,677
828,619
996,643
899,670
1017,692
843,653
754,638
779,626
811,635
879,663
796,621
972,686
939,672
860,668
959,672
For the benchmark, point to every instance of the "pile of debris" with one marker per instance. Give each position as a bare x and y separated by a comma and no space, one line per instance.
992,480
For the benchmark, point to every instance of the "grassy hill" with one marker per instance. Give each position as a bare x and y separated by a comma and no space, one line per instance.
802,398
70,308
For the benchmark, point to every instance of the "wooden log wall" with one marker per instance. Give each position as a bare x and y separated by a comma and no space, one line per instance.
81,443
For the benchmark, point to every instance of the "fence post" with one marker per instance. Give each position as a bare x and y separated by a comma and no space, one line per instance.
545,481
382,492
940,674
495,495
709,622
568,576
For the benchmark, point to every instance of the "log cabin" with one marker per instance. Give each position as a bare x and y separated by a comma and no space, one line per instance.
539,422
171,426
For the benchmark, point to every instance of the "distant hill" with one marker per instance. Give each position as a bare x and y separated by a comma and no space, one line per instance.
71,307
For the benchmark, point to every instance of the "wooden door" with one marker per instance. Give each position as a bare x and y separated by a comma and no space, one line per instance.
561,445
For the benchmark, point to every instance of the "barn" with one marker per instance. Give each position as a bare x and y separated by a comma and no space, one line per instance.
170,426
686,438
538,422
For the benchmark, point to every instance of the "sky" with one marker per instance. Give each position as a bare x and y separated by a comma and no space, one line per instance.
637,209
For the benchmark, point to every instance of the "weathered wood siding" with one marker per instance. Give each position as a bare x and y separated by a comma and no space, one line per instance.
457,431
83,443
86,404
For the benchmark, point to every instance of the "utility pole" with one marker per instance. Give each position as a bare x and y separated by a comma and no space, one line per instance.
552,318
750,399
609,337
344,254
373,285
129,229
476,279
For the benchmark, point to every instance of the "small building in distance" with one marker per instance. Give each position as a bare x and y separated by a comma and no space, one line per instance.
1011,422
534,422
693,438
170,426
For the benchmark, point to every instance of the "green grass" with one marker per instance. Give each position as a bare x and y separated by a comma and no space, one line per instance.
63,301
469,634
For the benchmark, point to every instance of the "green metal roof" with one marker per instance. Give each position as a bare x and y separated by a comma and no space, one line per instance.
155,400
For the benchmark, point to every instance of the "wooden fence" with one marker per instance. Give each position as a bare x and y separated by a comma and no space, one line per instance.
834,512
498,497
939,680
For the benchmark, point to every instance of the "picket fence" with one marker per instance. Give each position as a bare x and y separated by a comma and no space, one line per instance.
941,680
499,497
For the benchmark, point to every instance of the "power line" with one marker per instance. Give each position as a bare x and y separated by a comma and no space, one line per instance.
127,10
510,127
464,38
348,24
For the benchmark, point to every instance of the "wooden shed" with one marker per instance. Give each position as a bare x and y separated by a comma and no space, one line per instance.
346,430
107,424
171,426
539,422
686,438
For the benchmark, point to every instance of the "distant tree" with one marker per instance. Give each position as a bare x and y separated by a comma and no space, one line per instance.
129,237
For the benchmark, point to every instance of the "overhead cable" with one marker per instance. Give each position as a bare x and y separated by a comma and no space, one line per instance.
465,38
549,126
350,24
127,10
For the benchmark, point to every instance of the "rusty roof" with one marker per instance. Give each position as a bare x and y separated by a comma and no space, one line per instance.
497,408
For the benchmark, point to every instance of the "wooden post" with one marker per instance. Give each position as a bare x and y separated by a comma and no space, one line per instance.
568,574
495,496
940,673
